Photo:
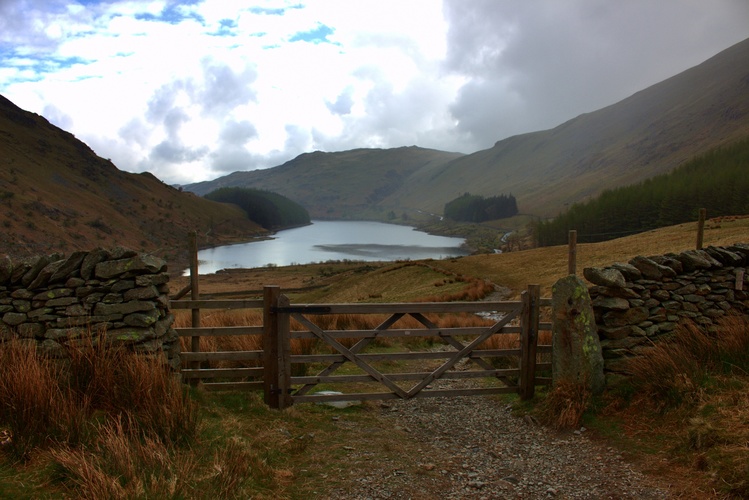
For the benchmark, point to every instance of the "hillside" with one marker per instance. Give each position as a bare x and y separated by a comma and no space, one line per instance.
649,133
348,184
57,195
646,134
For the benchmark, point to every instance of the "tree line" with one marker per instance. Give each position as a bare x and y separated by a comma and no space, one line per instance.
271,210
475,208
717,181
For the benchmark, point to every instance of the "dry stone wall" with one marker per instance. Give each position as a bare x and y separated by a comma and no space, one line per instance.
640,302
120,294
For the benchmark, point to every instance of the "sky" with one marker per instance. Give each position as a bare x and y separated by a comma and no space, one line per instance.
192,90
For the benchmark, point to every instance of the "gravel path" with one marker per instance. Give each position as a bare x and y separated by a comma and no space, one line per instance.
472,447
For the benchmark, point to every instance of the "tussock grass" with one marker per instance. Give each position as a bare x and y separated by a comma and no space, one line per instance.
676,370
564,405
122,464
44,401
31,401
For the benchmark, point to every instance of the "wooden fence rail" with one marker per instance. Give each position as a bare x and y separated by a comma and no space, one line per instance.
272,368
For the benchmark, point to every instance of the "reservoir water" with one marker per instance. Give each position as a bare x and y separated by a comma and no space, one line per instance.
332,240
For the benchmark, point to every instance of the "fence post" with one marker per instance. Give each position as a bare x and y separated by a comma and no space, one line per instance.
270,346
284,355
194,295
529,341
701,228
572,252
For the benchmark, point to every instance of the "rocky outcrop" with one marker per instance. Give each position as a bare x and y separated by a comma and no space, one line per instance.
641,302
119,294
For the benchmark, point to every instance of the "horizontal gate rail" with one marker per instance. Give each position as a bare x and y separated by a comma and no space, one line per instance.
222,331
222,373
481,391
405,376
233,386
216,304
222,356
401,307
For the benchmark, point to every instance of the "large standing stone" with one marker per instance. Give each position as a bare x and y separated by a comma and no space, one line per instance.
577,349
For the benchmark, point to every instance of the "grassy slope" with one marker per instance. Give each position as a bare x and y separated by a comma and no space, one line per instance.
56,195
347,184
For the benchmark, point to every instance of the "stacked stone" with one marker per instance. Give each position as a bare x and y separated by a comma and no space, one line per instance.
642,301
119,294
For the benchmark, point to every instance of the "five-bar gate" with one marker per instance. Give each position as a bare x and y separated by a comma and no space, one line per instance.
350,358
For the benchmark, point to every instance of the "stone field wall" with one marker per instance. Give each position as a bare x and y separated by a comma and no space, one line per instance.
119,294
640,302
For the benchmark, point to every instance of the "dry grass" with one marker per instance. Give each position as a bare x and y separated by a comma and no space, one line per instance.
690,395
123,464
31,401
564,406
44,402
675,371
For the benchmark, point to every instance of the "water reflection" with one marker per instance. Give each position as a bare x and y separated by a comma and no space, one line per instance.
332,240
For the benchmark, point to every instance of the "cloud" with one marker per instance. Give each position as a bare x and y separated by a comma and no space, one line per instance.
237,132
530,66
343,103
173,152
57,117
193,89
224,88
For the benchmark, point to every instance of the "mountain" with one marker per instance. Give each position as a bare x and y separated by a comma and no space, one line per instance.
646,134
57,195
349,184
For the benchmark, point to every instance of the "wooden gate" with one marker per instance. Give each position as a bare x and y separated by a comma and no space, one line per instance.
519,320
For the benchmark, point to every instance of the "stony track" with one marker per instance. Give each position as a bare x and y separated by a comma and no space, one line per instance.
474,447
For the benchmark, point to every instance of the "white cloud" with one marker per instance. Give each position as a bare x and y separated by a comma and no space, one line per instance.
193,90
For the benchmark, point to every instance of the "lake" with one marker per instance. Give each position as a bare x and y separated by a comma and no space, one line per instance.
332,240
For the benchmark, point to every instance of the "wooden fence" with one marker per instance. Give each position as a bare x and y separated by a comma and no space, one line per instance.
509,369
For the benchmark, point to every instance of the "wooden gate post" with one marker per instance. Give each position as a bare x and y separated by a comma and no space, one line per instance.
276,349
194,295
529,340
270,345
284,355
